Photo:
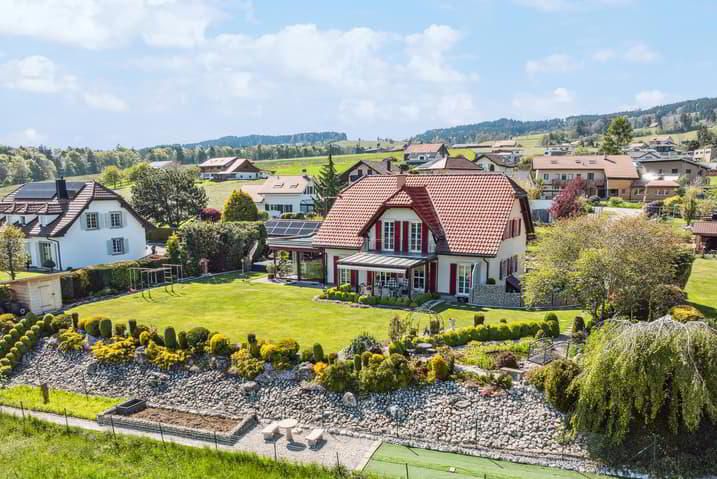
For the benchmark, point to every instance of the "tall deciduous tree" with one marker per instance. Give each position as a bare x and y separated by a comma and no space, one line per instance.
13,256
328,186
111,175
607,265
240,207
168,197
618,135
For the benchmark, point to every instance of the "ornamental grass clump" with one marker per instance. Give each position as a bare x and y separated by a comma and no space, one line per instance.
661,375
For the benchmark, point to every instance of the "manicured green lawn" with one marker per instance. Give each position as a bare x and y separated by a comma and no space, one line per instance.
34,449
313,164
20,274
702,286
76,404
237,307
390,461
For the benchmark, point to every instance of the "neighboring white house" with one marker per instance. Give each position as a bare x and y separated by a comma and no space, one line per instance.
283,194
74,224
451,234
230,168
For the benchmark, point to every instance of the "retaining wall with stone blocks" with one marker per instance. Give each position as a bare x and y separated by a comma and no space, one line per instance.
111,418
494,295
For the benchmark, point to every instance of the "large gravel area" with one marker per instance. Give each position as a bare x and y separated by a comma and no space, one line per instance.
442,415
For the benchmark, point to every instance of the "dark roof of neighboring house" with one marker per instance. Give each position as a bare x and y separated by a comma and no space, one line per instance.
471,211
495,158
614,166
450,163
705,228
68,211
424,148
378,166
664,160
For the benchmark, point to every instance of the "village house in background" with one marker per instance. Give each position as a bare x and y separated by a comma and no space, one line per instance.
367,168
164,165
705,233
672,168
230,168
452,165
408,234
74,224
604,175
647,190
418,153
283,194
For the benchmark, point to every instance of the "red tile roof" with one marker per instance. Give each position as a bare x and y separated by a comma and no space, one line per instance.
471,210
614,166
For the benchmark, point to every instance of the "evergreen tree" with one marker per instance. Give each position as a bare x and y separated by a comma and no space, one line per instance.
240,207
327,187
618,135
179,154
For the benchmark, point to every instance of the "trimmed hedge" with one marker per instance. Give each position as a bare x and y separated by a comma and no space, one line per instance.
494,332
344,293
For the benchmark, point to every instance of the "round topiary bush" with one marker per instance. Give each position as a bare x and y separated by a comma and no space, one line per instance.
92,326
506,359
219,345
197,338
144,338
318,353
182,340
106,328
578,324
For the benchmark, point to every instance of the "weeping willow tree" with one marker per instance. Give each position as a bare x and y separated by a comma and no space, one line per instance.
660,375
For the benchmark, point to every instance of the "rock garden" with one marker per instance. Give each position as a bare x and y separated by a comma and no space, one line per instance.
412,389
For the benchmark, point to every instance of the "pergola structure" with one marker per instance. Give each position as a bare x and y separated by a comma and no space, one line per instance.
302,255
388,274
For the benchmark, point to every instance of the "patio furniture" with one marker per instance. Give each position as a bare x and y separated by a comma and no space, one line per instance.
423,348
288,425
270,431
315,437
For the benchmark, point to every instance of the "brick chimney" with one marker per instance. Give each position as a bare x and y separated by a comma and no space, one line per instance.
400,181
387,162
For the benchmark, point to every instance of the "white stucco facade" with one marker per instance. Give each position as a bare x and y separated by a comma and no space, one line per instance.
81,245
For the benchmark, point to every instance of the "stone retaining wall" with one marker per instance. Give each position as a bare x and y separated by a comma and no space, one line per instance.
494,295
111,418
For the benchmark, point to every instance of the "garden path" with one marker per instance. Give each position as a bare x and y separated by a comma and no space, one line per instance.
353,453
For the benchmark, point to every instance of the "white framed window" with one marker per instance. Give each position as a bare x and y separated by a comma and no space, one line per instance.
414,244
310,189
279,208
388,235
118,246
92,221
419,279
344,276
464,279
116,219
45,253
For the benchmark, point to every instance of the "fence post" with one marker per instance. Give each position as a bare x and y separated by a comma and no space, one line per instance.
67,422
275,458
114,434
161,432
406,470
216,444
22,410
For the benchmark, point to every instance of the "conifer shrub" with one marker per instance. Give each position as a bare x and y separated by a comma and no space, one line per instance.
106,328
170,338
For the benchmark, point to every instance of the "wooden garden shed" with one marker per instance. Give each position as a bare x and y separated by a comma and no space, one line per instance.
39,293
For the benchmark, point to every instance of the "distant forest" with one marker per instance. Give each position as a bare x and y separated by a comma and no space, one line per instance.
672,118
252,140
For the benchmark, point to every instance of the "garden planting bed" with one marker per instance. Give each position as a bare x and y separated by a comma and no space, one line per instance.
193,425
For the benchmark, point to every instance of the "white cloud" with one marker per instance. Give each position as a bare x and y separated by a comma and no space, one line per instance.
25,137
427,51
105,101
604,55
556,63
641,53
650,98
558,103
36,74
96,24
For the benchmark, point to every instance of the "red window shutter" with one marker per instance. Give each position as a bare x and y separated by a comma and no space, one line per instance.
432,277
424,238
470,278
369,275
520,225
454,278
378,227
397,236
405,236
354,278
336,270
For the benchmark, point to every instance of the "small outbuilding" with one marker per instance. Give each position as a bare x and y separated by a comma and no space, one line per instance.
705,236
40,293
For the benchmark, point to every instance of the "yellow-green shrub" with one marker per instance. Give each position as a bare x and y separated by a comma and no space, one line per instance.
119,351
686,312
163,357
71,340
245,365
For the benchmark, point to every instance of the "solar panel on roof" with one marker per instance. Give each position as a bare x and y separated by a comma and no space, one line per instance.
46,190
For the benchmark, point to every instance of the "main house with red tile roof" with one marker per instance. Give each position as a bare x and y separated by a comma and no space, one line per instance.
408,234
74,224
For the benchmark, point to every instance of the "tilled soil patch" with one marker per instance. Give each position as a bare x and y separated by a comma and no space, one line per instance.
186,419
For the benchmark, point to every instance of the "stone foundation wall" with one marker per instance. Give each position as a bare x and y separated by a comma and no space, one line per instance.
494,295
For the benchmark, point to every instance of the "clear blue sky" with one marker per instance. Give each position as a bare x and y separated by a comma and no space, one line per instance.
143,72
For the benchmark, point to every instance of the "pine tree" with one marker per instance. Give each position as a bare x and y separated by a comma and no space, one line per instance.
327,188
618,135
240,207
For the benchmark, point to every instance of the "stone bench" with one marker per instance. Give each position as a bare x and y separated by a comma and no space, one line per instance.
270,431
315,437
